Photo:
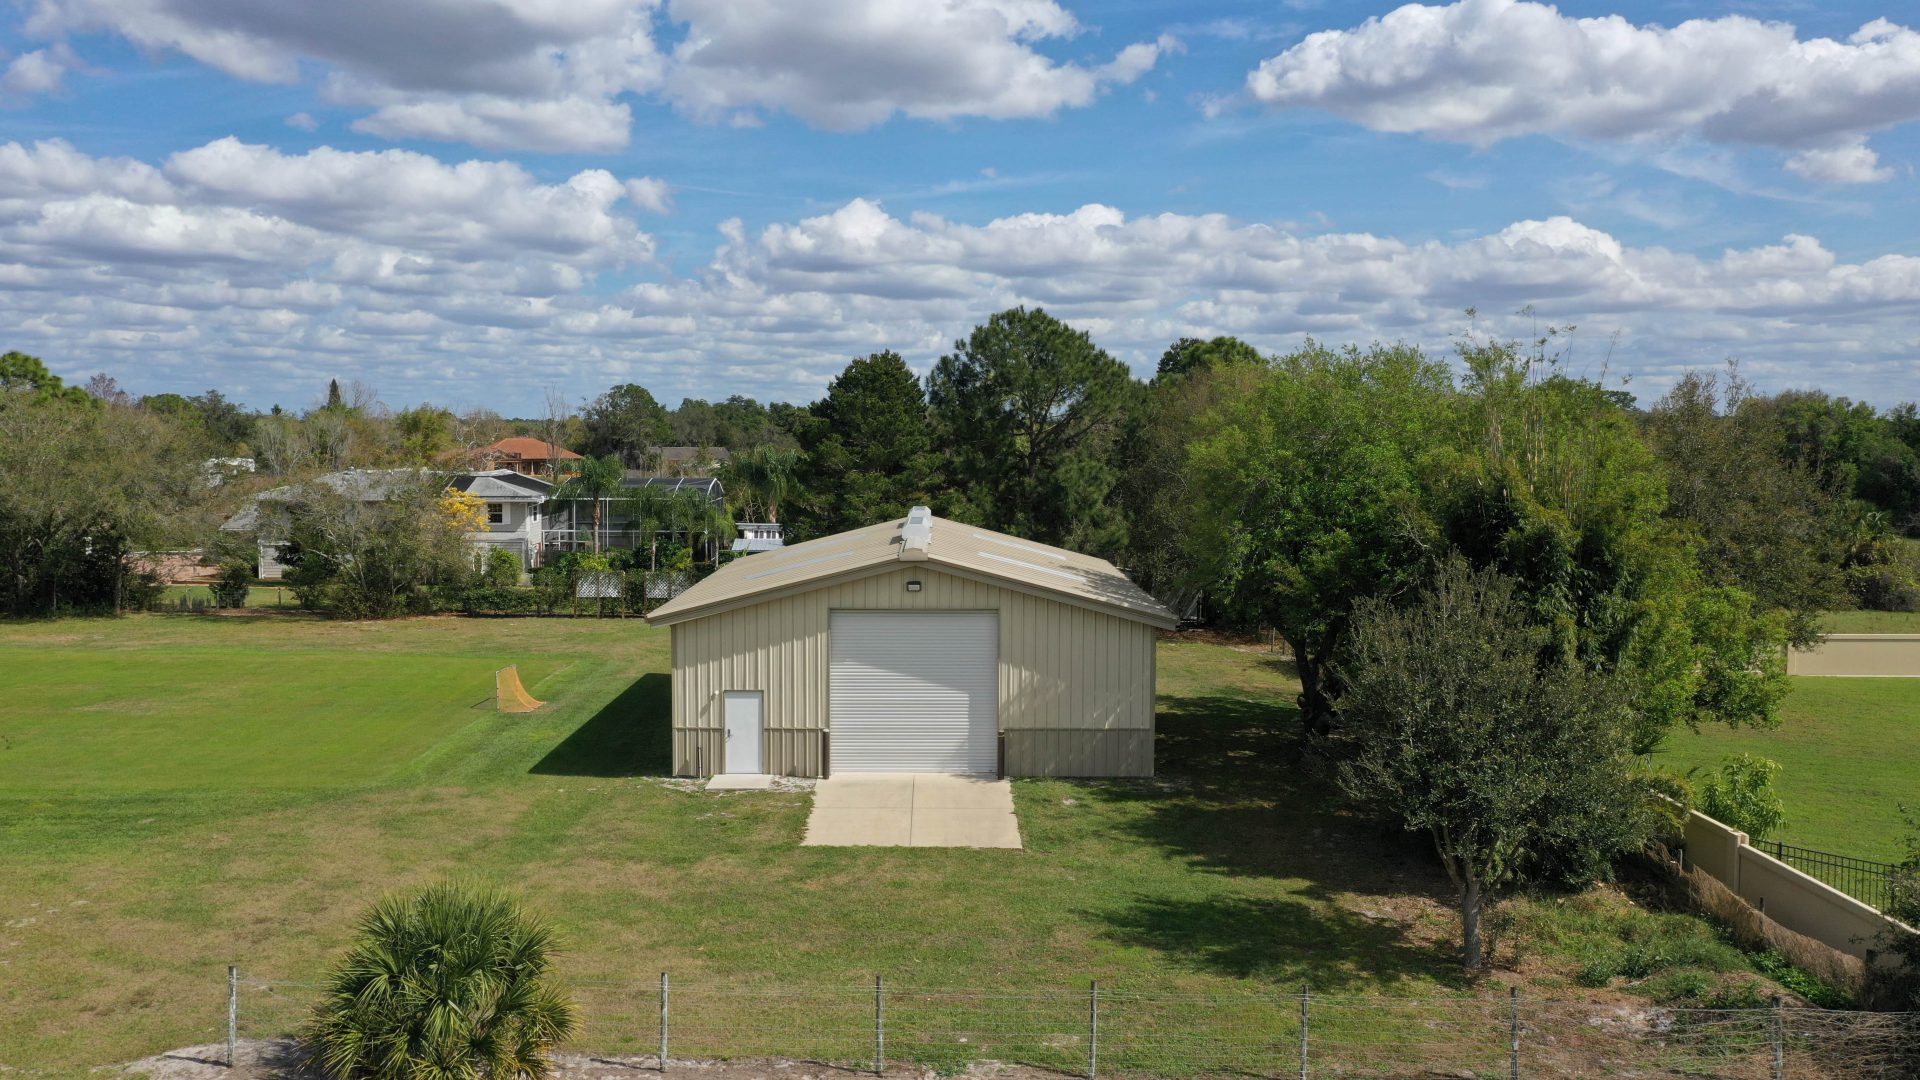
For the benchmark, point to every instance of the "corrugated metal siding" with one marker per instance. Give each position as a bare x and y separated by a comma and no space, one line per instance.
914,691
1068,676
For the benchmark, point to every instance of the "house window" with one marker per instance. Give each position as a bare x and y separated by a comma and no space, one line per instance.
496,513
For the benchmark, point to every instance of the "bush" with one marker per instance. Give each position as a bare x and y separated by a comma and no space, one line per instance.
1742,796
493,600
552,588
231,586
449,983
142,590
502,568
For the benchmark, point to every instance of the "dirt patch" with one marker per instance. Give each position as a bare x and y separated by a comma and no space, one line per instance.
281,1059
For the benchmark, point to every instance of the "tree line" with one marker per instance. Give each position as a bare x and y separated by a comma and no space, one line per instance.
1503,585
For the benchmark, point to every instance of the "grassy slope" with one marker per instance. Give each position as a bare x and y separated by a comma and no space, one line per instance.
1850,749
122,898
1873,622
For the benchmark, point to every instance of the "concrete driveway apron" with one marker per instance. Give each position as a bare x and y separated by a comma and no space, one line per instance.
912,810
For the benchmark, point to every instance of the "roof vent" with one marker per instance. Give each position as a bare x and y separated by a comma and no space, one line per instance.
916,535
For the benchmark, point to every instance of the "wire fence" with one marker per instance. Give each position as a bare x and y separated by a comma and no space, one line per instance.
1098,1031
1865,880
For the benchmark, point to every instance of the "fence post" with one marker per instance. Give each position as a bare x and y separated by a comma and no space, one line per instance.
663,1023
1513,1033
233,1014
1093,1029
1779,1041
879,1027
1305,995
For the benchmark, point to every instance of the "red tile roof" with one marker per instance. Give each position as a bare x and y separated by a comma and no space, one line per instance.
526,448
515,448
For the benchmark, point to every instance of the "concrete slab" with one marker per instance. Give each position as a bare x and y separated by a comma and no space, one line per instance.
740,782
892,791
913,810
831,826
962,793
964,828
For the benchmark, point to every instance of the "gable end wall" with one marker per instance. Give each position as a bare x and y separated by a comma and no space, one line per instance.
1076,686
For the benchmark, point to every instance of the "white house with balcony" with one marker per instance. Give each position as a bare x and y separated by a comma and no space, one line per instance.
521,513
517,516
516,509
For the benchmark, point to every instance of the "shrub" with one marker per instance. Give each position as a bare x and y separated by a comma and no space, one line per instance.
449,983
142,590
494,600
552,588
1742,796
231,585
502,568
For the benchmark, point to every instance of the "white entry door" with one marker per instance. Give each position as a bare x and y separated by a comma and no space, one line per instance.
914,691
743,718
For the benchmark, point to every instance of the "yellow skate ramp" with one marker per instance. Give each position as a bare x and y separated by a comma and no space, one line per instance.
509,694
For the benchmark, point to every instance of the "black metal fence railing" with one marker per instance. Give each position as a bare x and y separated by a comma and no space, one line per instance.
1865,880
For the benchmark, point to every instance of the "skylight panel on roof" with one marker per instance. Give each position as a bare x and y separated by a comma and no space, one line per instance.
1069,575
797,565
1028,548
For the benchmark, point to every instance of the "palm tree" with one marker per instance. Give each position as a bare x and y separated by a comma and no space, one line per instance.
646,509
693,511
592,478
762,477
448,983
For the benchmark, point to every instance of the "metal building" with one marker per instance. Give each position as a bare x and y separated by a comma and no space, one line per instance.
917,645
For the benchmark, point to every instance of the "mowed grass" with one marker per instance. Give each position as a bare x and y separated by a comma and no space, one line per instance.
1850,754
258,596
1872,622
125,890
158,719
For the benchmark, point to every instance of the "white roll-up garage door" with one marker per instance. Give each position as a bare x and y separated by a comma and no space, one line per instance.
914,691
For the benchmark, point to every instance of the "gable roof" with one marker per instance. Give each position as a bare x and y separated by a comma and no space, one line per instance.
954,548
502,485
366,485
513,448
375,485
527,448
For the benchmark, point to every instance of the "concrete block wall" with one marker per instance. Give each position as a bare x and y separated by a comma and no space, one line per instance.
1860,656
1796,901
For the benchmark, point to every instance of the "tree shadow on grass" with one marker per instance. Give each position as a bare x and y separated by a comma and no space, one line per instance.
632,735
1287,941
1236,795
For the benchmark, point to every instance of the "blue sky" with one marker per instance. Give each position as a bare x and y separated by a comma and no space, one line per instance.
478,203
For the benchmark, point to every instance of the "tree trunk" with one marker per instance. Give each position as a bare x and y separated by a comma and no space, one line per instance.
1315,702
1472,899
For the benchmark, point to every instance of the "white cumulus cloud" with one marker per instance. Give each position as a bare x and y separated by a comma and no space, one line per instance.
1478,71
846,64
475,283
555,75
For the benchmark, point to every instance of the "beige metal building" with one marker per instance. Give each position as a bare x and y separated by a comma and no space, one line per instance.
919,645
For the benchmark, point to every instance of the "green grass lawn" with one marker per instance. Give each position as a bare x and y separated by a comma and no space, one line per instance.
258,596
87,719
1872,622
181,792
1850,753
